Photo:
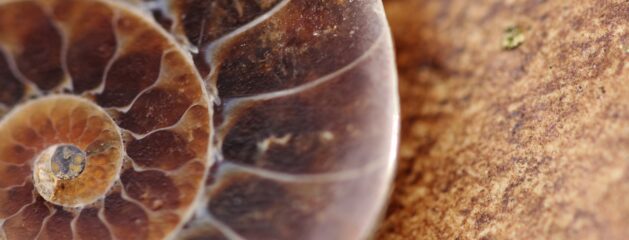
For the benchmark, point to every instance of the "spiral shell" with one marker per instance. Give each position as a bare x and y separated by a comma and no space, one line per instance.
107,132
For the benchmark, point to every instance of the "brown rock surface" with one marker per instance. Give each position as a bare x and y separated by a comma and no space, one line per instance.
526,143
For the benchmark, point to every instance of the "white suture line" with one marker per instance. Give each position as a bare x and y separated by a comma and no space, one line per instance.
121,42
9,188
119,49
13,140
23,184
161,79
30,86
238,7
203,220
157,5
24,164
179,122
30,123
343,175
52,124
199,79
151,214
158,81
223,228
203,217
212,48
169,172
65,40
203,22
21,210
210,51
138,168
73,225
124,195
46,219
231,103
87,126
103,219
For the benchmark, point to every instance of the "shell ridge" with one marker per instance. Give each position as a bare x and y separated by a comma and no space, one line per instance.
21,144
180,121
160,79
101,216
138,13
30,86
211,49
125,196
214,45
9,188
15,164
67,79
65,46
73,226
230,233
233,103
117,53
46,219
2,221
339,175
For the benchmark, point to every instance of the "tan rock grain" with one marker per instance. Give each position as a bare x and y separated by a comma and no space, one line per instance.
527,143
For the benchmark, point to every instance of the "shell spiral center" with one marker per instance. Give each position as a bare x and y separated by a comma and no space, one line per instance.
66,161
77,148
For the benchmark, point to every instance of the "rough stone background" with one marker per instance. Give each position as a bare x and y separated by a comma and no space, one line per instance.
529,143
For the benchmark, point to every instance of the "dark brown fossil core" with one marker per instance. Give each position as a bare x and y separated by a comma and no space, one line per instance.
186,119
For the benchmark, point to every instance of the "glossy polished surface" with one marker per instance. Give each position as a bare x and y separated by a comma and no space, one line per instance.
238,119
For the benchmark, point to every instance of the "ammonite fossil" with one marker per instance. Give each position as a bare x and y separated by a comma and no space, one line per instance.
194,119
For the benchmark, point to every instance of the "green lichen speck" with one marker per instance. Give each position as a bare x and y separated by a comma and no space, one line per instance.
513,38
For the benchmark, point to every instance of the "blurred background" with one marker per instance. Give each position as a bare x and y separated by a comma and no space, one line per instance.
515,120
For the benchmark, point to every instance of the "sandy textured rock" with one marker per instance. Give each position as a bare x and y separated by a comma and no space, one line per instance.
526,143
